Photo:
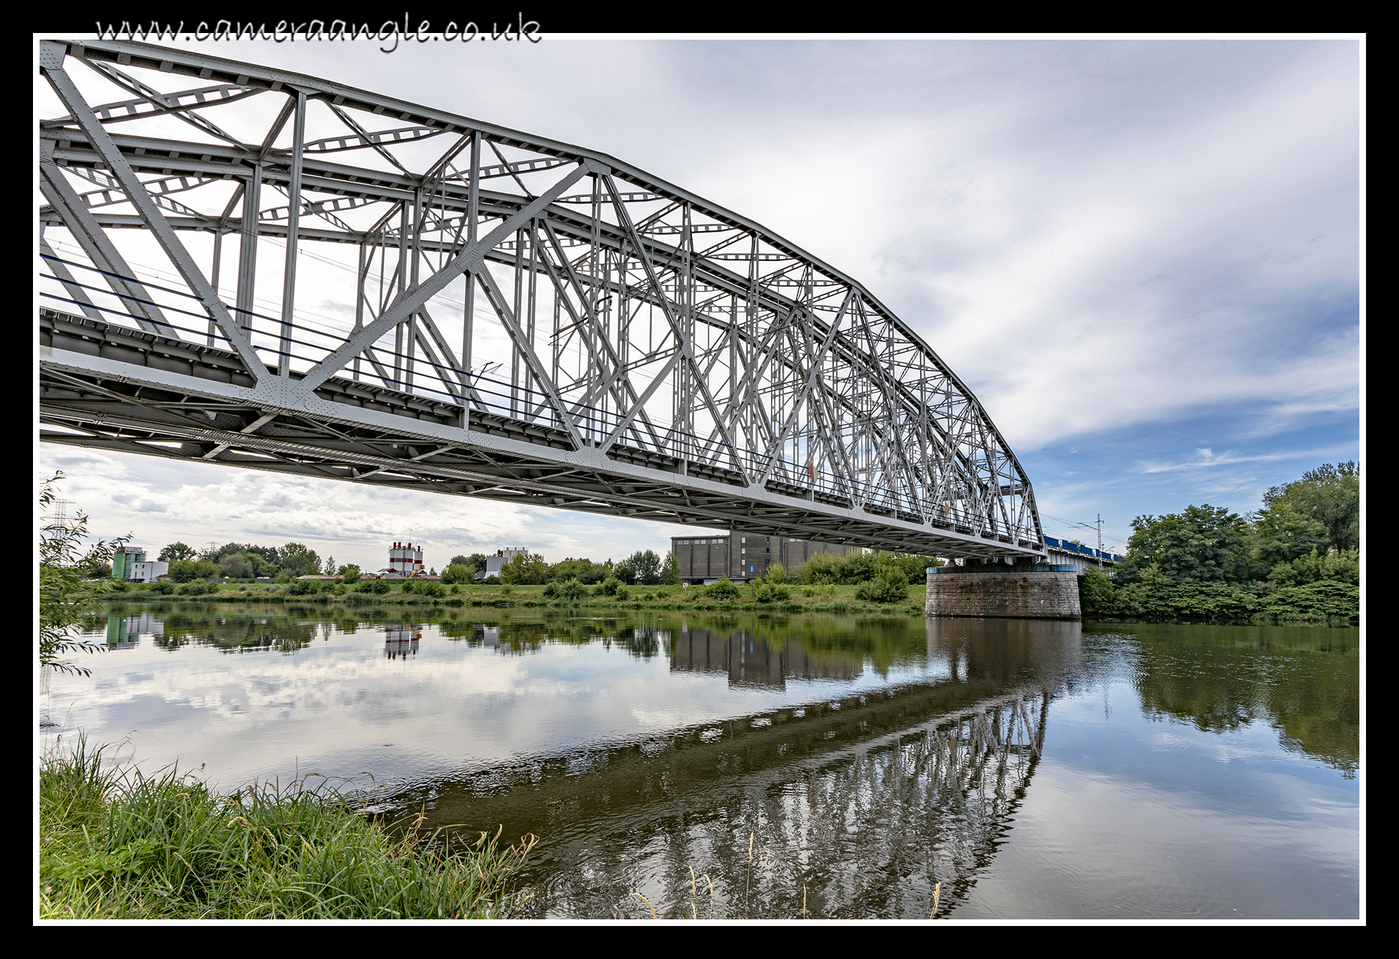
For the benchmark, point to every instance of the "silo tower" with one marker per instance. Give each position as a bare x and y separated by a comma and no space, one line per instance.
405,560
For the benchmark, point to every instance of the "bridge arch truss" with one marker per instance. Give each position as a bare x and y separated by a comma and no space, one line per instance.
508,316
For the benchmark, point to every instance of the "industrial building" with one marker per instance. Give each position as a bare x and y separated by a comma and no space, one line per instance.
405,562
124,557
501,557
149,571
741,556
130,563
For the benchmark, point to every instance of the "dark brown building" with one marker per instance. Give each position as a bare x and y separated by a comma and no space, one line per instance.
743,556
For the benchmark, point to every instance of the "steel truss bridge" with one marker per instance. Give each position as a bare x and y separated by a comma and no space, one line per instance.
246,266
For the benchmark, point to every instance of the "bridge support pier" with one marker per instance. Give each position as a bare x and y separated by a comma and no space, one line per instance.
998,590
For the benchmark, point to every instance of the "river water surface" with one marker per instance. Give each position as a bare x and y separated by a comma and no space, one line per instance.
781,766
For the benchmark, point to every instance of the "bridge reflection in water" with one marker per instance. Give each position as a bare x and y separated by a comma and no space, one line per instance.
857,806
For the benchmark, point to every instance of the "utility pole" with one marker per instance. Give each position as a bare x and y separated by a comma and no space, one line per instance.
1099,528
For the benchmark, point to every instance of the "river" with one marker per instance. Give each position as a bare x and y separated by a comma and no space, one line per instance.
783,766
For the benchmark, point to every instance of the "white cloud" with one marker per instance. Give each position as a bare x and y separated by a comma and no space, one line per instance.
1205,458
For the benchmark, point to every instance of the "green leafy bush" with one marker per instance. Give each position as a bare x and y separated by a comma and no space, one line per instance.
642,567
525,569
1342,567
1157,597
568,591
184,572
723,589
889,587
771,593
1326,600
1095,593
458,573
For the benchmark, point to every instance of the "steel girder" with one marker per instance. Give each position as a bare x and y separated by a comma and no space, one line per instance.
529,320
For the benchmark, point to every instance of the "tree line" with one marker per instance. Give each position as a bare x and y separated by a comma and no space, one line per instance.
644,568
246,561
641,568
1300,552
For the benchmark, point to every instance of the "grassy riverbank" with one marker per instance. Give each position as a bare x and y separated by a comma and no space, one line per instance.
752,597
1325,602
123,845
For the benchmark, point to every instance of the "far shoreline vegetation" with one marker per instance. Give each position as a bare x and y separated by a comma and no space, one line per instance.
878,581
1297,560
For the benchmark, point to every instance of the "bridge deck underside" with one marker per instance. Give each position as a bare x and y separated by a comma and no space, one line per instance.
120,389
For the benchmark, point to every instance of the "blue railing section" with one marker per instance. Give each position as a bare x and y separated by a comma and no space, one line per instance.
1070,547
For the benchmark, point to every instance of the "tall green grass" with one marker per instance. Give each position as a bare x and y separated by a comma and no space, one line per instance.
123,845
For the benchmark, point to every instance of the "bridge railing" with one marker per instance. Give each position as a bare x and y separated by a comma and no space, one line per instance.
1068,546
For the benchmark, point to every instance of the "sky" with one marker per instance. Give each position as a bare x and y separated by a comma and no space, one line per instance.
1143,256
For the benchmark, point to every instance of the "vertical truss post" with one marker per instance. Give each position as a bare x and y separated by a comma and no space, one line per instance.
473,200
247,249
594,246
684,294
556,353
518,268
293,227
214,276
623,340
533,275
402,275
360,274
415,253
751,322
733,401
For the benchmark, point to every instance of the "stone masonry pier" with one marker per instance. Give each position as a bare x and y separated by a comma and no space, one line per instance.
1024,592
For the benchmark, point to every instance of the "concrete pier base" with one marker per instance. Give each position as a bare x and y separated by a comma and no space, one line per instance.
1043,592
